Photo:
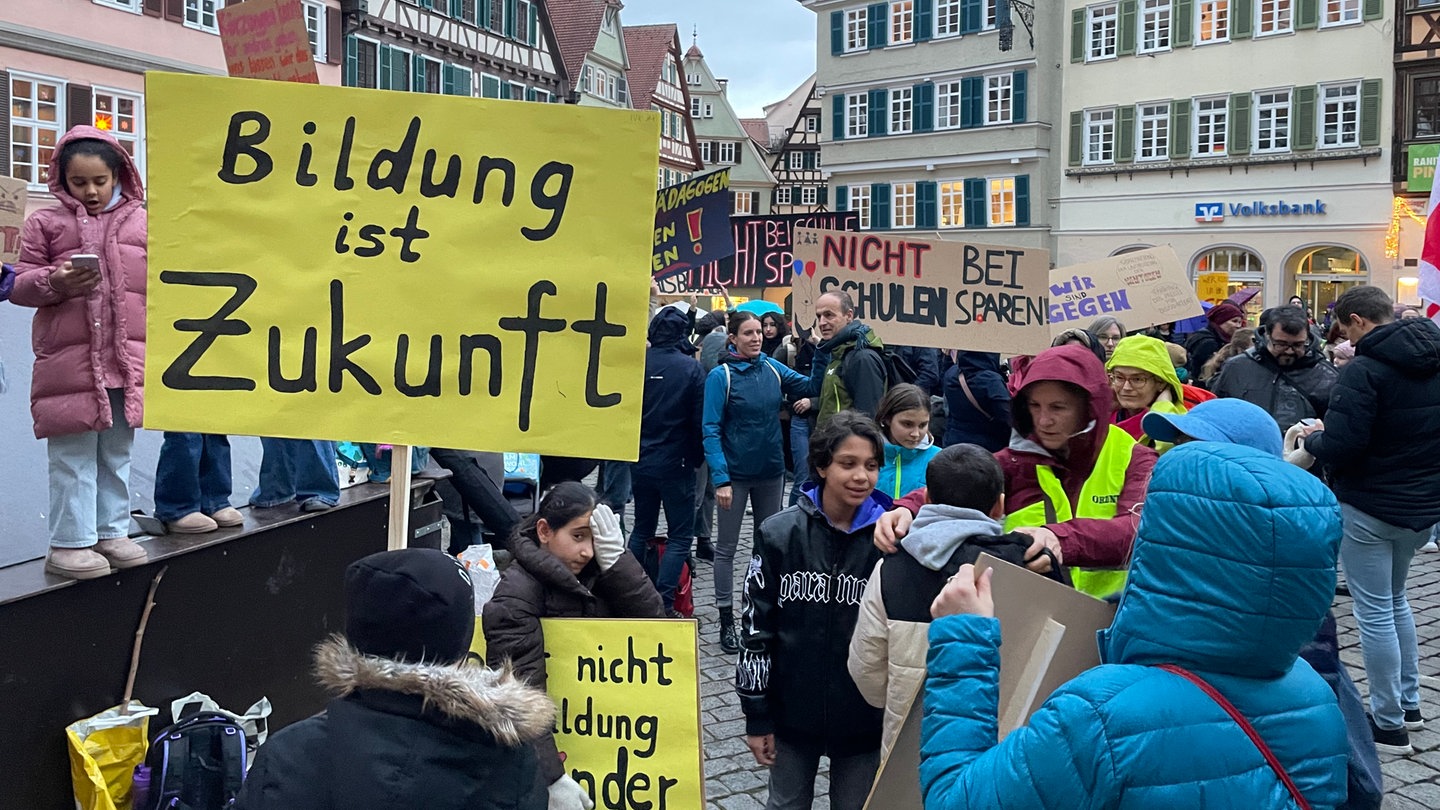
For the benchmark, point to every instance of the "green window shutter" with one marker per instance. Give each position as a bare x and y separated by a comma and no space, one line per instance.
837,33
1077,35
972,16
1126,31
842,197
505,90
879,206
1022,200
1242,18
879,111
447,79
382,68
1238,125
1180,128
877,18
924,19
1374,9
927,205
534,28
837,117
1307,14
1370,112
822,196
977,203
1125,134
1018,96
418,82
972,89
1302,133
924,109
352,62
1077,137
483,12
1182,24
457,9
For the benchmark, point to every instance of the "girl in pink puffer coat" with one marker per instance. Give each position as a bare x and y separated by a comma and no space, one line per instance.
89,340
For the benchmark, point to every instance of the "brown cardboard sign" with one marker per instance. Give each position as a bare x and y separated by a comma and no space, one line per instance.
267,39
1049,639
1144,288
13,195
928,292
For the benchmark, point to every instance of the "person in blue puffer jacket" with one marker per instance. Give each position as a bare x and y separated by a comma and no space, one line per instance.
1127,733
904,418
743,446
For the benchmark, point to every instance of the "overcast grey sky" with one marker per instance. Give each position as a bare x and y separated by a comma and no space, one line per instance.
766,48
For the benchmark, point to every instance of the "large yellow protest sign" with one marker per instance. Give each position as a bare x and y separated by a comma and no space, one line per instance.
627,695
404,268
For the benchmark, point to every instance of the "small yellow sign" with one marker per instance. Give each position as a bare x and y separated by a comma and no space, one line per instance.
1212,288
627,695
400,268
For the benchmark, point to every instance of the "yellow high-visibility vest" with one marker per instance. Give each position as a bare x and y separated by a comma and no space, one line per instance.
1099,498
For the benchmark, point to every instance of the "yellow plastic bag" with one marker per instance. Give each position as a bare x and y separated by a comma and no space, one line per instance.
104,751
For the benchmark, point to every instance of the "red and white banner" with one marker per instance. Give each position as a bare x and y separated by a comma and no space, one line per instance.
1430,258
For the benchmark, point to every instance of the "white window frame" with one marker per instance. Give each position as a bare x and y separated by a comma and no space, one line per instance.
950,199
999,98
522,21
692,79
433,67
493,81
796,161
948,105
996,191
1346,102
1272,107
812,123
1338,13
782,195
725,152
137,134
1098,148
315,26
902,22
1152,131
517,90
1214,120
902,205
947,18
809,195
1270,12
902,111
709,110
1157,23
991,15
857,29
1220,10
132,6
857,115
607,22
57,127
705,152
469,82
695,106
1102,32
744,204
197,9
859,202
375,45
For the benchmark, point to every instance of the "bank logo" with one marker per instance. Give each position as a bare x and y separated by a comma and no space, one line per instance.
1210,212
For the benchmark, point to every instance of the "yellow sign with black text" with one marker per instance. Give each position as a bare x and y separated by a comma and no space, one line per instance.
627,695
400,268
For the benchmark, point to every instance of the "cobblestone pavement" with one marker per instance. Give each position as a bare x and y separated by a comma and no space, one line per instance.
735,782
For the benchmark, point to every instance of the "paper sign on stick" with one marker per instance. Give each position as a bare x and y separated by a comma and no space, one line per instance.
398,268
1141,289
628,700
267,39
1212,288
692,224
926,292
13,195
1048,634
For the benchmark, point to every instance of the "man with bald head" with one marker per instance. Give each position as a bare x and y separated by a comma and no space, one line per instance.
855,375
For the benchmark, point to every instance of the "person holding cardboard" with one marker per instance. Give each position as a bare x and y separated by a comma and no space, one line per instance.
1202,700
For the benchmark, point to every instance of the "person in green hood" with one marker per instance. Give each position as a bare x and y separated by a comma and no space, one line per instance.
1144,380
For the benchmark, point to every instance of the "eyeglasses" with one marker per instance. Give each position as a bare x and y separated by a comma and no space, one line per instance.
1289,345
1132,380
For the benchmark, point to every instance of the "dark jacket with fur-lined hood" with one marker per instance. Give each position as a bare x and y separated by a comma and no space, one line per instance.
437,736
539,586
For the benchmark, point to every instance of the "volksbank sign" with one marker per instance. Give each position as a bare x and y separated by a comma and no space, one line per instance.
1211,212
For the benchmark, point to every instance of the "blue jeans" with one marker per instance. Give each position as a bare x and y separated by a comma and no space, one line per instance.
1376,556
193,475
297,470
379,463
615,486
800,427
90,482
676,493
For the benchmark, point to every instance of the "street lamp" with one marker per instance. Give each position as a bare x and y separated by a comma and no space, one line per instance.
1005,11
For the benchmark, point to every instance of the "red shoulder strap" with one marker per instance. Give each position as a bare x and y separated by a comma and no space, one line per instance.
1245,726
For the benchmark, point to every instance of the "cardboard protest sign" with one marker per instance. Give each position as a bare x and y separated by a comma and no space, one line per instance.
926,292
13,196
764,249
1212,288
1142,289
399,268
692,224
267,39
1048,634
628,719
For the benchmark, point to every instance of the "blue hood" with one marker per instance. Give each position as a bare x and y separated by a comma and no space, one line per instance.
670,329
1234,564
869,512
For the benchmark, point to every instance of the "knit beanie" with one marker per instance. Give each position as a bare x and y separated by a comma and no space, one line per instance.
1224,311
414,605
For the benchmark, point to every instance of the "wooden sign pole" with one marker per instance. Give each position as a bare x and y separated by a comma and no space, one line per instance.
399,497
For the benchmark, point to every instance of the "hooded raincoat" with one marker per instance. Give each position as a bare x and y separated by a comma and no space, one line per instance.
85,344
987,425
674,399
1129,735
742,416
1150,355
